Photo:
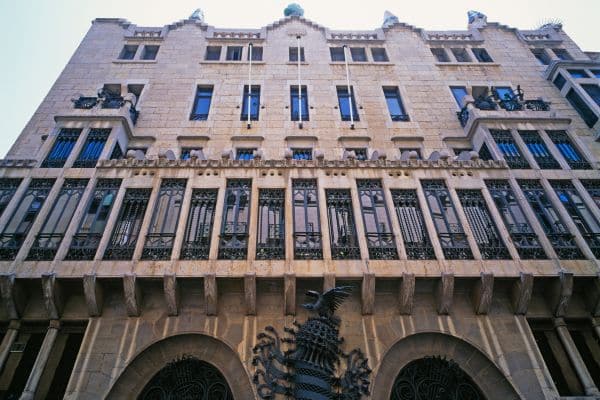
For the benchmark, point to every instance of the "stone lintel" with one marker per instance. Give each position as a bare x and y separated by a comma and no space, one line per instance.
53,299
93,295
13,296
210,294
445,293
171,294
521,293
328,281
406,294
133,295
559,293
483,292
368,293
592,297
250,293
289,293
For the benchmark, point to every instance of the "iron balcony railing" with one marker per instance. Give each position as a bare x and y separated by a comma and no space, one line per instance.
158,246
84,246
45,246
106,101
308,246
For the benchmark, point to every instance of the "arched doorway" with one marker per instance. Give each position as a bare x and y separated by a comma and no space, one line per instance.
434,378
187,379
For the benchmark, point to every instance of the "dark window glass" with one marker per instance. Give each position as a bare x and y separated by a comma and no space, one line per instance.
412,225
251,103
234,53
270,243
586,113
484,153
344,101
244,154
337,54
459,92
562,54
578,73
257,53
293,54
127,229
233,242
8,188
482,225
117,153
202,103
161,233
559,81
593,91
587,345
517,224
379,54
199,227
541,56
92,149
307,226
19,363
213,53
149,52
593,188
568,150
538,149
440,54
63,145
342,230
449,229
91,228
53,230
302,154
378,227
358,54
299,101
360,153
128,52
23,217
509,149
482,55
561,239
394,103
186,153
461,54
596,73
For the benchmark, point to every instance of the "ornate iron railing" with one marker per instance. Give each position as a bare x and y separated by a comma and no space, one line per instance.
84,246
308,246
45,246
158,246
107,101
10,244
412,225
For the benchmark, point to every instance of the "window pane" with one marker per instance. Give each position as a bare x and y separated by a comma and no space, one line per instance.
482,55
562,54
92,149
270,243
379,54
128,52
307,227
257,53
250,103
593,91
64,143
213,53
568,150
337,54
344,101
342,229
233,242
378,228
234,53
461,55
538,149
578,73
199,227
202,103
296,101
149,52
509,149
8,188
582,108
293,54
358,54
459,92
394,103
412,225
440,55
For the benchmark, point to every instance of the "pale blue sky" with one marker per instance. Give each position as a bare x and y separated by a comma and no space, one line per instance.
40,36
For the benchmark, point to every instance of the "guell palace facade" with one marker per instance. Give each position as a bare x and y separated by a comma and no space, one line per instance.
181,188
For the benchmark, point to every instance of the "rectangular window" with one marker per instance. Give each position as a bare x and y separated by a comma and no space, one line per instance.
440,54
23,217
127,229
186,153
342,229
257,53
163,226
234,53
233,242
378,227
379,54
593,188
344,101
199,227
150,52
412,225
307,226
302,154
559,81
569,151
536,146
358,54
244,154
117,153
337,54
459,93
91,228
128,52
482,225
92,149
578,73
63,145
450,232
202,103
53,230
482,55
541,56
561,239
394,103
293,54
584,111
562,54
8,188
360,153
270,243
580,214
299,101
461,54
523,236
593,91
507,98
251,103
509,149
213,53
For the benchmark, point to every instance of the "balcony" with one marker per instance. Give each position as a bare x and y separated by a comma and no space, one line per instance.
102,107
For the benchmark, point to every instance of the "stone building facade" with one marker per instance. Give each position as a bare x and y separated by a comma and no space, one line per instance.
176,192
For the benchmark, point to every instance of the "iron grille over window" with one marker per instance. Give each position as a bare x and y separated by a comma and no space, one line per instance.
342,230
519,228
538,149
564,144
199,227
233,243
344,101
580,214
271,225
509,149
394,103
202,103
482,225
63,145
92,149
23,217
378,228
161,234
561,239
8,188
91,228
53,231
593,188
303,103
412,225
449,229
127,230
302,154
307,226
254,97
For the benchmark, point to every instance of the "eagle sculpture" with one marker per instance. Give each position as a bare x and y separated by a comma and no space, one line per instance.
326,303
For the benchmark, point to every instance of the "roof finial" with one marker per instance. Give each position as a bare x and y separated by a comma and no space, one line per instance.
477,19
293,10
197,15
389,19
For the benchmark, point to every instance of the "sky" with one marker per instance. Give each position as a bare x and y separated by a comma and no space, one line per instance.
40,36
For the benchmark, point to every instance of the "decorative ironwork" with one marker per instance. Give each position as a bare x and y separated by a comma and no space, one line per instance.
198,231
311,368
8,188
593,188
308,243
569,151
85,103
538,149
412,225
186,379
378,227
482,225
64,143
342,229
509,149
434,378
106,99
271,225
92,149
233,241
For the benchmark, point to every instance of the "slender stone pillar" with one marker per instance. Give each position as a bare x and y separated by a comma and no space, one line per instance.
9,338
41,361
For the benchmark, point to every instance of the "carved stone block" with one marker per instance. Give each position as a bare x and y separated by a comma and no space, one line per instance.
445,293
559,293
133,295
368,293
52,293
210,294
328,281
521,293
13,296
483,292
250,293
93,295
406,293
289,294
171,294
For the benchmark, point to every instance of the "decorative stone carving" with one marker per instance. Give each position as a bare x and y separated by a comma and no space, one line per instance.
483,292
406,294
171,294
250,293
52,296
93,295
197,15
293,10
560,292
210,294
521,293
476,19
368,293
389,19
445,293
133,295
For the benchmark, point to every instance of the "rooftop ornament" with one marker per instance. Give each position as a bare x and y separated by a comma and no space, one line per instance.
477,19
293,10
389,19
197,15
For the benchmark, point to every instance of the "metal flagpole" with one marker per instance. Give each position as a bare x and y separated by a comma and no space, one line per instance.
249,83
349,92
299,87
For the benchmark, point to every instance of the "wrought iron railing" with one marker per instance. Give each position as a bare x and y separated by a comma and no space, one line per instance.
381,246
108,102
273,247
84,246
308,246
526,242
158,246
593,241
455,246
45,246
10,244
565,247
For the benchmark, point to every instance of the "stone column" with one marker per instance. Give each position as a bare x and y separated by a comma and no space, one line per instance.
584,376
41,361
595,324
9,338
